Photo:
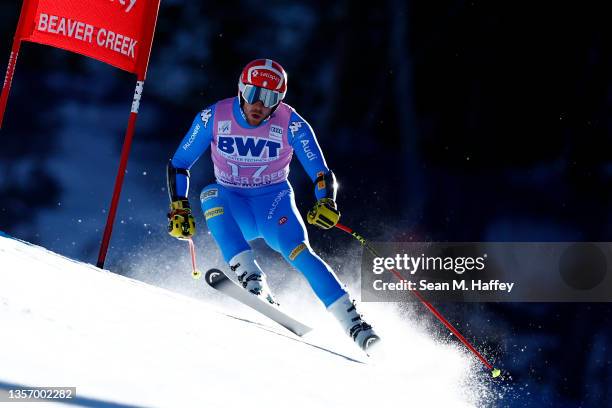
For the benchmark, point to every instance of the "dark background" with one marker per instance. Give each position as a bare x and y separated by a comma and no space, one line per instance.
445,121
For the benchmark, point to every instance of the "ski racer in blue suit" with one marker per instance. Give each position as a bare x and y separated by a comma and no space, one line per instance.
253,137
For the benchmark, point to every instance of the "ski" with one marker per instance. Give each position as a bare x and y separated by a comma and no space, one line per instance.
221,282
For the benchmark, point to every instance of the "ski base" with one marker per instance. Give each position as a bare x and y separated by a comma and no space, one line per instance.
221,282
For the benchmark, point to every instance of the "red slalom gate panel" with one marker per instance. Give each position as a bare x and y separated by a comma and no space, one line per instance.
117,32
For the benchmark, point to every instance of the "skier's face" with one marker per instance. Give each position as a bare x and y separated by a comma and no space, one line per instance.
255,113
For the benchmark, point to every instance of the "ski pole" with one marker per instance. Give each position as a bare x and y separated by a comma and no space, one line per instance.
495,372
195,273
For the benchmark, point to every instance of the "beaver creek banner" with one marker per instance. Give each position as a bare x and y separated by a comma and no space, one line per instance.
117,32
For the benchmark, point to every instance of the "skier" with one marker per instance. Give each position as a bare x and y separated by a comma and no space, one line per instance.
253,137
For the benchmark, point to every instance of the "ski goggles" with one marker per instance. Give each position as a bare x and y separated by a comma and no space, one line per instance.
252,94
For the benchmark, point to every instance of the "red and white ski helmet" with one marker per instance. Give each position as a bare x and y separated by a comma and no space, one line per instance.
265,80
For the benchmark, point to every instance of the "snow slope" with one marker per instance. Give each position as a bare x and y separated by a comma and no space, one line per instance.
122,342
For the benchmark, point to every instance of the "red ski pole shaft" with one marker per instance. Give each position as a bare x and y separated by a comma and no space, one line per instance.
494,371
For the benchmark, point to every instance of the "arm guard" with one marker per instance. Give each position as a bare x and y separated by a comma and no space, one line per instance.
326,185
172,174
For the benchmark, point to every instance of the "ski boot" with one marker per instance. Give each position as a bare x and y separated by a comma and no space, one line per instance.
345,312
250,276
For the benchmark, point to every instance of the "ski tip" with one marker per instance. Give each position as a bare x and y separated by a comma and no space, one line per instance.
213,275
302,331
496,372
371,343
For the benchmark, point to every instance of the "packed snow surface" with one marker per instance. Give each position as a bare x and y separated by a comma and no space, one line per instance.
123,342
